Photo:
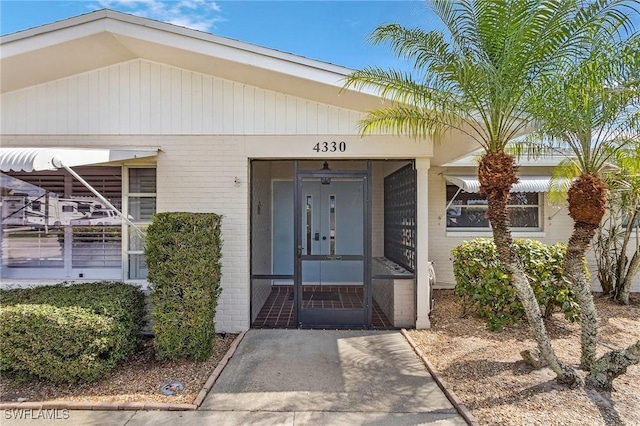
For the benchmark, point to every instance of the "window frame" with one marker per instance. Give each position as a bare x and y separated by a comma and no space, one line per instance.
67,187
479,229
142,224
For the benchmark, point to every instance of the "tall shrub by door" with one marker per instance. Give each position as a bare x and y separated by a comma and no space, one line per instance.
183,252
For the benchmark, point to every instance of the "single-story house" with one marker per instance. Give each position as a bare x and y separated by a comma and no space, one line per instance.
108,118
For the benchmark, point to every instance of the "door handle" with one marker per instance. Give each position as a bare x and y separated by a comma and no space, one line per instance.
300,248
333,258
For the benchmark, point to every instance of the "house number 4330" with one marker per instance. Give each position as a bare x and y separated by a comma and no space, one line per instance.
330,146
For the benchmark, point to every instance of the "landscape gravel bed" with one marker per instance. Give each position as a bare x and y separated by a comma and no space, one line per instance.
485,369
140,379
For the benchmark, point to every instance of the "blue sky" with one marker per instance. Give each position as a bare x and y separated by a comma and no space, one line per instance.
330,31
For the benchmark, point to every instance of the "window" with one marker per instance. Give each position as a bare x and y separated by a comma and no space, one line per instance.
55,228
141,206
50,228
466,210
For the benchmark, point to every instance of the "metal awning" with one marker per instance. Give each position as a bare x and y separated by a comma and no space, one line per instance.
38,159
526,184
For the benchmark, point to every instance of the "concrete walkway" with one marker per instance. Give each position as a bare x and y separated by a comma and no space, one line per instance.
307,377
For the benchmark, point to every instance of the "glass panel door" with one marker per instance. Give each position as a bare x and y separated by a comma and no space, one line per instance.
331,283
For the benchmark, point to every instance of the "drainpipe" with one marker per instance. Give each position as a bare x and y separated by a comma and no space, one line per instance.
57,162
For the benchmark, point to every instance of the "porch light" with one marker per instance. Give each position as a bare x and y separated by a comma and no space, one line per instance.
325,180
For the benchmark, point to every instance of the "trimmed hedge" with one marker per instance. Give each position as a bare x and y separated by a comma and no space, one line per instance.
484,286
69,333
183,253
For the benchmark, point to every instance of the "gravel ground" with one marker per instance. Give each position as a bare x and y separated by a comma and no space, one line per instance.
137,380
486,372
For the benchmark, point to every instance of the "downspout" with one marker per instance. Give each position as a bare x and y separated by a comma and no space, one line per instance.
59,163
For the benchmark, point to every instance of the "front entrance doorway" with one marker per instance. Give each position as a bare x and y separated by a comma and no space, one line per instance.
332,243
331,228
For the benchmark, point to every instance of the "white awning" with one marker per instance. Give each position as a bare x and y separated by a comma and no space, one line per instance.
37,159
526,184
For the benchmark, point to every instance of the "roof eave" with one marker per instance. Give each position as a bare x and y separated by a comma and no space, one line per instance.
132,37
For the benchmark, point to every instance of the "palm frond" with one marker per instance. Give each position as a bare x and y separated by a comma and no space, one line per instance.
496,64
561,178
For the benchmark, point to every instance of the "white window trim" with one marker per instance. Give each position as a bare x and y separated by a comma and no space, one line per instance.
489,234
125,210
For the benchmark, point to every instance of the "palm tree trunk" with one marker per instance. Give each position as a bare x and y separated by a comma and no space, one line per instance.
587,199
508,257
497,172
612,365
575,271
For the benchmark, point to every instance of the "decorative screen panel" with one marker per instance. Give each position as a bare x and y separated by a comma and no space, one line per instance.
400,217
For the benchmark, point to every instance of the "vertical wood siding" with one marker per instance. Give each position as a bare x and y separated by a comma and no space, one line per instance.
143,97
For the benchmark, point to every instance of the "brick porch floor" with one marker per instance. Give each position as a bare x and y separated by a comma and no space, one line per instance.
278,311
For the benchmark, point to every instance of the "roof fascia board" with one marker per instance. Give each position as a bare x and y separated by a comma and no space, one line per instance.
284,64
223,41
51,38
54,26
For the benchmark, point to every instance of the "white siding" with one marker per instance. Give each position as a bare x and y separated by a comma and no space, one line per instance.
143,97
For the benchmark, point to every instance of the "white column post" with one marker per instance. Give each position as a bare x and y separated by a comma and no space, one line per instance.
423,304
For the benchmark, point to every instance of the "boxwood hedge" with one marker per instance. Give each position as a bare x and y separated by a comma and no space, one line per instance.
183,253
483,283
69,333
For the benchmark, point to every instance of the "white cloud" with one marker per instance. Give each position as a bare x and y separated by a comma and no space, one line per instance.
199,15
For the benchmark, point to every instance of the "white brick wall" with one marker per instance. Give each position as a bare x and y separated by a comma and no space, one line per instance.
199,174
396,298
404,311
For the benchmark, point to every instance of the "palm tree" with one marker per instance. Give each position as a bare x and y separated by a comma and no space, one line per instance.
589,111
479,79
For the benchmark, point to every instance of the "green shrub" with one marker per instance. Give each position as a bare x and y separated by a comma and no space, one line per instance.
183,253
484,285
69,333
